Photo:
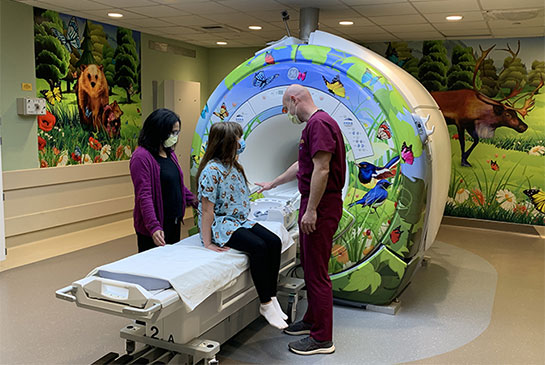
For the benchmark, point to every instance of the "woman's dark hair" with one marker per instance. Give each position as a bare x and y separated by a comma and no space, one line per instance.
156,129
223,146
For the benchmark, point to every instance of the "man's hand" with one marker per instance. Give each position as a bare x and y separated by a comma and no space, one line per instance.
264,186
216,248
158,238
308,222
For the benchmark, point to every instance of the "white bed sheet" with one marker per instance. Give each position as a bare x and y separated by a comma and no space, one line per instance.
193,271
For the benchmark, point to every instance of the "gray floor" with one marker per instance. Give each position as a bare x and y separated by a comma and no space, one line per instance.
448,305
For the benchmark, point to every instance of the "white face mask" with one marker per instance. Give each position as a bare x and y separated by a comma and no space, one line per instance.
293,117
170,141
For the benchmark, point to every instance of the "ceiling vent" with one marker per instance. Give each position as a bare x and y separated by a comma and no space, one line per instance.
513,15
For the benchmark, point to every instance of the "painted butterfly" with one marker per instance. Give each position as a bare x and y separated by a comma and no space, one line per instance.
494,165
223,112
384,131
269,59
204,111
407,153
302,76
395,235
335,86
71,39
52,96
261,81
538,198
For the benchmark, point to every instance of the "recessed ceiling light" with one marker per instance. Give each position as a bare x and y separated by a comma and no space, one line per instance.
346,22
115,15
454,18
221,43
255,27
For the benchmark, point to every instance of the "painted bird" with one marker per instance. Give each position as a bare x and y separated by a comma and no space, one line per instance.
375,197
368,171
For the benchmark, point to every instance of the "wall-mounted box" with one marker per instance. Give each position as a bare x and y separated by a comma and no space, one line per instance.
31,106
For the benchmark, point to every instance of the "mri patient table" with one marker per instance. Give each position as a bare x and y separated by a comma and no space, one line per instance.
184,300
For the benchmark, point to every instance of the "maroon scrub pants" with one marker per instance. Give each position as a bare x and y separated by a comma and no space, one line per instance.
315,251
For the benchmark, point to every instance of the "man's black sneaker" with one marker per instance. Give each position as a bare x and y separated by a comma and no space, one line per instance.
309,346
298,328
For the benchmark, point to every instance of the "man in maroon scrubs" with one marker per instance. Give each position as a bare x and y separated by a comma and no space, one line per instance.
320,171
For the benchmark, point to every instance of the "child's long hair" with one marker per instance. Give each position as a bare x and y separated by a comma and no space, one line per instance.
223,146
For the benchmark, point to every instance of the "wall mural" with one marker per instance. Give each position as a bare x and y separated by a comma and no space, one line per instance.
492,96
89,73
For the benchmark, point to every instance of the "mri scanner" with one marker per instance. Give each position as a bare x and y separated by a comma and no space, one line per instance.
393,131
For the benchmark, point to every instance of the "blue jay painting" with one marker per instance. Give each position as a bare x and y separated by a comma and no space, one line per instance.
375,197
368,171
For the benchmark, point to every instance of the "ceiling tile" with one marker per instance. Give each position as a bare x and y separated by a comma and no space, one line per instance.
158,11
498,24
429,7
187,20
244,5
519,32
338,13
376,38
409,28
468,16
461,33
372,2
507,4
127,15
321,4
231,18
261,15
149,22
357,31
176,30
398,19
411,36
79,5
385,9
461,25
334,22
124,3
203,7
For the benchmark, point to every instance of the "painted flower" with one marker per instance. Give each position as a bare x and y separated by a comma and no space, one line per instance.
340,253
94,144
43,163
98,159
56,151
537,151
41,143
455,136
461,195
477,196
105,152
128,151
63,159
75,157
87,159
450,201
506,199
119,152
46,122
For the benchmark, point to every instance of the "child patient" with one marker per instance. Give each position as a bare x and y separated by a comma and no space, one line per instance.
224,206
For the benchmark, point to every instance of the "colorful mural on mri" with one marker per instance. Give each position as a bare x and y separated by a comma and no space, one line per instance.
386,223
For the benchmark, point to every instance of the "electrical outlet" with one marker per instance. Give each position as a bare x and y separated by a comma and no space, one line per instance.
31,106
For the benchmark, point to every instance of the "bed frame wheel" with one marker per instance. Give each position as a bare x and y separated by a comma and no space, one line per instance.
130,346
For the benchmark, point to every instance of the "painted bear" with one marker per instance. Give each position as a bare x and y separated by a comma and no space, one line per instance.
92,94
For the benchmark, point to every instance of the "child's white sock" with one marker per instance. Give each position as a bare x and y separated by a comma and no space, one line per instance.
272,316
279,308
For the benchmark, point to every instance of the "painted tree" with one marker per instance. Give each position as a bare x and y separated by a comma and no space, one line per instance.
109,67
87,57
460,74
432,67
514,74
72,74
489,78
126,62
51,57
99,39
406,60
537,73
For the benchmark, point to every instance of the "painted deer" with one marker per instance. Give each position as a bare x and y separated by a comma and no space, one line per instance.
479,115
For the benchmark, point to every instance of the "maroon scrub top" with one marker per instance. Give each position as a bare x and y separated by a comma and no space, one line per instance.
321,134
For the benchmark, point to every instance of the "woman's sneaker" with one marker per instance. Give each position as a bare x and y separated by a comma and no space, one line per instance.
309,346
298,328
